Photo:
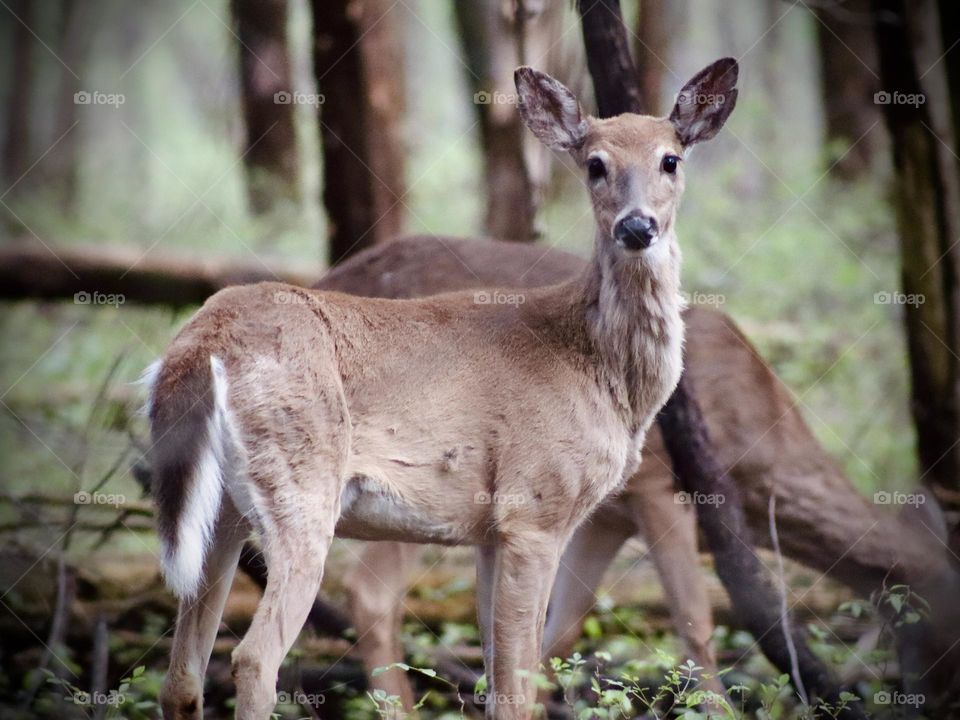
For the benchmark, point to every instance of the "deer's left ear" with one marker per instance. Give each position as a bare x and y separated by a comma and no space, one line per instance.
705,102
550,110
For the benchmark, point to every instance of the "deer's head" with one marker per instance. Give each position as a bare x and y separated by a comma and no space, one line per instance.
633,164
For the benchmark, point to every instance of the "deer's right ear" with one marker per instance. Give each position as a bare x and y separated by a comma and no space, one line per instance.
550,110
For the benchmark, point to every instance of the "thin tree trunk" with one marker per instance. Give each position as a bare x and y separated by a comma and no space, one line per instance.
950,34
358,66
16,147
79,20
489,48
927,201
658,24
616,82
268,98
849,78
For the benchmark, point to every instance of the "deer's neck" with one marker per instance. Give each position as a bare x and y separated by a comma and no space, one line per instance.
633,317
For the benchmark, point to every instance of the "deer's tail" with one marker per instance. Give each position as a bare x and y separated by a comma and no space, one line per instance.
189,454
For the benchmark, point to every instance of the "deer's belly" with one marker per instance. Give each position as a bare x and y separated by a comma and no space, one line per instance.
370,511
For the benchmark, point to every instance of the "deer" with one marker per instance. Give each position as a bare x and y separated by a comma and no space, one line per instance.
301,414
760,436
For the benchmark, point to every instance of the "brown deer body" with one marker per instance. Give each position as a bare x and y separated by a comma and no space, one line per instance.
301,414
760,434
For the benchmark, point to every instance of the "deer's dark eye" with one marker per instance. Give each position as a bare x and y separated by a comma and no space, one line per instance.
596,169
669,164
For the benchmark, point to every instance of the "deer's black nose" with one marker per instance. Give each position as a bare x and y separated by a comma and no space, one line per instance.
636,232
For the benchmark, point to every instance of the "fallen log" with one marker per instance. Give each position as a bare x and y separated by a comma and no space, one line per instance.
119,275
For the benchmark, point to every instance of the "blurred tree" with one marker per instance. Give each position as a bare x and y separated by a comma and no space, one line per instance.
492,49
16,146
615,82
358,65
77,30
658,24
848,79
950,34
268,97
928,218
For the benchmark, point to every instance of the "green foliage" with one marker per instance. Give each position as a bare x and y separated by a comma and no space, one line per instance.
135,698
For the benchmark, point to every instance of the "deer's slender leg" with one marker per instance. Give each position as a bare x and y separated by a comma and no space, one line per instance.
670,529
198,620
376,586
582,566
523,577
296,546
486,567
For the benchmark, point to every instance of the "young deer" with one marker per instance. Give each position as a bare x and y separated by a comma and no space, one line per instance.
759,434
301,414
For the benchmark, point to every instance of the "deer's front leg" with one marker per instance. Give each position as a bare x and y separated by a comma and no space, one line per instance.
523,577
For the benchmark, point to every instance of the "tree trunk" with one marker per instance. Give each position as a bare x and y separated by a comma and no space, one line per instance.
268,99
849,77
928,220
684,428
358,66
16,147
491,52
658,23
950,34
616,82
76,36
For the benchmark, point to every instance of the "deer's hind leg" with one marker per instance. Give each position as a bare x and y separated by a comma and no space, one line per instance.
292,493
376,587
296,537
198,620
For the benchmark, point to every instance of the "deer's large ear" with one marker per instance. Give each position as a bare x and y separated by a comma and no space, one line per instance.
705,103
550,110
